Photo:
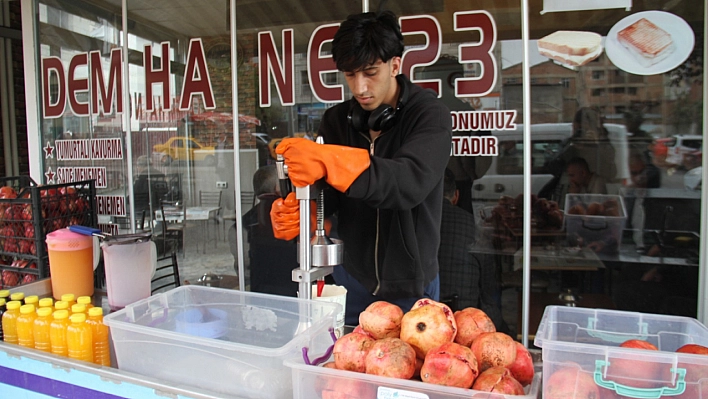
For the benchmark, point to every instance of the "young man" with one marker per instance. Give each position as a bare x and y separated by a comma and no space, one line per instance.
581,180
385,155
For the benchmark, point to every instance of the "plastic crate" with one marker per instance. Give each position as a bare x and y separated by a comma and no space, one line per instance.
587,341
242,357
592,228
26,220
311,381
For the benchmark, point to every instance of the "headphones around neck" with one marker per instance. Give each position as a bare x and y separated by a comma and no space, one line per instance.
383,117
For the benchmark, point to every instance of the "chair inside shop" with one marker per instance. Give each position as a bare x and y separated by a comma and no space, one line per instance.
211,199
173,219
166,274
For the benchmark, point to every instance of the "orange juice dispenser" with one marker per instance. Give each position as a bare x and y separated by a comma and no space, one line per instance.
72,260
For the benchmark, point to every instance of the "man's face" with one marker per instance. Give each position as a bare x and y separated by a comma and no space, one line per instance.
576,175
375,84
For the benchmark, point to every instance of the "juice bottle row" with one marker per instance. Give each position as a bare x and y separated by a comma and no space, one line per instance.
60,328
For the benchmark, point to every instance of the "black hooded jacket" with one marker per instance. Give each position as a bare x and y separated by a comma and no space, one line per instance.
389,218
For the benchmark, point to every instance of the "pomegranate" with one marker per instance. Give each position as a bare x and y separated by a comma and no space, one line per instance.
427,325
636,373
450,364
498,380
494,349
391,357
571,382
346,388
382,319
522,368
471,322
360,330
693,348
694,372
350,351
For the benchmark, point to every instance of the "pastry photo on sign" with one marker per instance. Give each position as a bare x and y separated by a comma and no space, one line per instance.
571,48
648,43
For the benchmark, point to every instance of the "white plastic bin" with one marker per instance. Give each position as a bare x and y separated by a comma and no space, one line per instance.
587,341
591,228
232,342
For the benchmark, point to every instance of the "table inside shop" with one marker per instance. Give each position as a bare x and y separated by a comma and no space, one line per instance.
201,214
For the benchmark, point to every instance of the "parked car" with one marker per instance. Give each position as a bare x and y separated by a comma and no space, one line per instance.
693,179
671,150
184,149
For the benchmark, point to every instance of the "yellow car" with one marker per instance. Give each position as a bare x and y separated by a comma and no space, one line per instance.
184,149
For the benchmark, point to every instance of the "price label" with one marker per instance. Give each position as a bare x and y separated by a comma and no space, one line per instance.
390,393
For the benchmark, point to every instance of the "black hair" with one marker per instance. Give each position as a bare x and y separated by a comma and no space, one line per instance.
363,39
581,162
449,186
265,180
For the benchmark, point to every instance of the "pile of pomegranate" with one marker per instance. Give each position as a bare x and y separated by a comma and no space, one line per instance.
432,344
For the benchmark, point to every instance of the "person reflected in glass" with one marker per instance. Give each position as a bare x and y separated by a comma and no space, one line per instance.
581,180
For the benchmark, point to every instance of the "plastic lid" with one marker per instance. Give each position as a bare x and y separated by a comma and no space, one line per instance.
61,305
68,298
46,302
95,311
44,312
17,296
61,314
26,309
4,293
78,318
67,240
78,308
12,305
85,300
32,299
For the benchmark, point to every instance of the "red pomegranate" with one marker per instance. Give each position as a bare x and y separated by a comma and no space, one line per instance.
571,382
498,380
635,372
695,372
450,364
360,330
345,388
427,325
391,357
350,352
471,322
494,349
382,319
522,368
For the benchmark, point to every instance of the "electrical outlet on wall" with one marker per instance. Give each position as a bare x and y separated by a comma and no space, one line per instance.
222,184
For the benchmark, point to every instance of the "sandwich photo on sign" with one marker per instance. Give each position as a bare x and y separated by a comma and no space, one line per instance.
572,48
648,43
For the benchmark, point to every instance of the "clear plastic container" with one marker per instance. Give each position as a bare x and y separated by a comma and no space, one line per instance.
582,346
166,337
591,228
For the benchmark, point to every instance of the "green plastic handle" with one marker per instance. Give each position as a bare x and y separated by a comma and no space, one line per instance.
640,393
607,337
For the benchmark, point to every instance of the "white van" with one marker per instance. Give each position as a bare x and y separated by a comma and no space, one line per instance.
505,175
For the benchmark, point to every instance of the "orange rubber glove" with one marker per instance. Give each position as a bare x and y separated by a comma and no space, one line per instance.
308,162
285,218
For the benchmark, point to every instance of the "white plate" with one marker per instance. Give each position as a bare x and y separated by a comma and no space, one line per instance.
680,32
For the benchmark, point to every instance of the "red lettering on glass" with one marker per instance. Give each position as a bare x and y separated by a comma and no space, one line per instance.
196,78
318,64
75,86
269,63
114,90
430,27
52,66
480,53
157,76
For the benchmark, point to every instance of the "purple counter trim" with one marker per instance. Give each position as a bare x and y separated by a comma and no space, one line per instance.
46,386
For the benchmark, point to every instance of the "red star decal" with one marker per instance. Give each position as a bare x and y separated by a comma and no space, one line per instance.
50,176
48,151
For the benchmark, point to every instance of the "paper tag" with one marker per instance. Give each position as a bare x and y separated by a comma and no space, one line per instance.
390,393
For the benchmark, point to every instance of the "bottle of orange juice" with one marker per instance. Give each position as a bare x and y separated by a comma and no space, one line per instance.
57,332
2,311
62,305
101,345
79,338
32,300
18,296
46,303
78,308
86,301
69,298
25,326
42,326
9,321
5,294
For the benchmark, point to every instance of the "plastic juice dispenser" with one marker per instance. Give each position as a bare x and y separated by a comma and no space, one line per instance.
130,262
72,259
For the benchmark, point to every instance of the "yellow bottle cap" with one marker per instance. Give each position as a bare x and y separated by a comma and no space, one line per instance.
95,311
31,300
12,305
78,318
26,309
78,308
61,314
68,297
17,296
4,293
44,312
85,300
46,302
61,305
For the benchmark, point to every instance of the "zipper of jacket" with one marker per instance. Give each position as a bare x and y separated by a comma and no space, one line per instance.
376,244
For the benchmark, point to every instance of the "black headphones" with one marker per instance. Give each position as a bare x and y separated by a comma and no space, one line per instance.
380,119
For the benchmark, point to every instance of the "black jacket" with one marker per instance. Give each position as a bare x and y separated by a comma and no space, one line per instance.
389,218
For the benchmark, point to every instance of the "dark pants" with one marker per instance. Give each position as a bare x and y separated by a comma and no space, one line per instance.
359,298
